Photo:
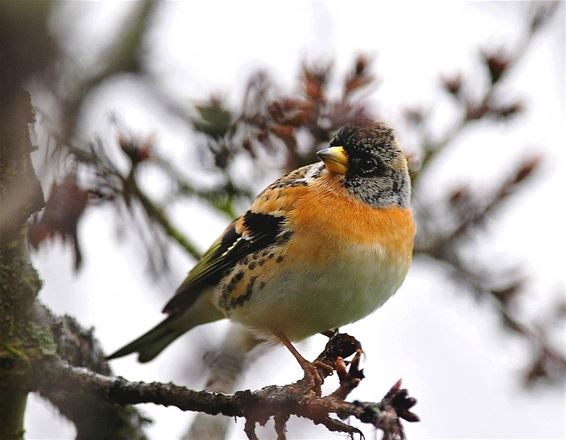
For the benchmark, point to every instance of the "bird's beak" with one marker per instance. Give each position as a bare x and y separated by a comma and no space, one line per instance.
335,159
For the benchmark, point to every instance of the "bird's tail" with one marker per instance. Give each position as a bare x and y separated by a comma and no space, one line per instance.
150,344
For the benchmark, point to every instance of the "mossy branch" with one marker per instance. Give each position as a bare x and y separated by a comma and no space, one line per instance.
259,406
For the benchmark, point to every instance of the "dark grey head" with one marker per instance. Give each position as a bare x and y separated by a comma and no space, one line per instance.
373,166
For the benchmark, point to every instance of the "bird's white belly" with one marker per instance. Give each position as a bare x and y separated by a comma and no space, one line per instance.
303,301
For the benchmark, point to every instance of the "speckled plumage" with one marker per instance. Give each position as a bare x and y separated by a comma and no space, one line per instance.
388,182
316,250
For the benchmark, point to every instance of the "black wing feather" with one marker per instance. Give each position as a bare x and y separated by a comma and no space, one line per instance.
261,231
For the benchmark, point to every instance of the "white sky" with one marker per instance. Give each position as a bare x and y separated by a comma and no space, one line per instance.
449,350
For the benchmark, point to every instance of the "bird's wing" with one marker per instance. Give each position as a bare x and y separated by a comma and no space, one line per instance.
261,227
246,235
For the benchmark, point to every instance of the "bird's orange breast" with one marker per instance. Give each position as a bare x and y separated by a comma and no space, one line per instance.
327,213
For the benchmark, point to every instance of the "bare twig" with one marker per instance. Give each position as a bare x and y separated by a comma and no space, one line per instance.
156,214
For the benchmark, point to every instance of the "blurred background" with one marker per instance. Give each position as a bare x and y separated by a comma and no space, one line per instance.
157,123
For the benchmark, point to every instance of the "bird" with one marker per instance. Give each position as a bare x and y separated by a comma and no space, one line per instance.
323,246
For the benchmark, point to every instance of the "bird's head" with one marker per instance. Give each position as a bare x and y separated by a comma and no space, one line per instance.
369,162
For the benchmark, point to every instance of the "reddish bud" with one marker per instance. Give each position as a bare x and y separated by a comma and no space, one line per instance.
314,80
247,144
357,82
459,196
508,293
359,77
313,89
527,168
136,151
497,63
452,84
296,119
508,111
285,132
362,63
63,210
476,111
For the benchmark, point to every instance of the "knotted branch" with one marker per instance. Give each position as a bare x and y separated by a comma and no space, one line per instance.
278,402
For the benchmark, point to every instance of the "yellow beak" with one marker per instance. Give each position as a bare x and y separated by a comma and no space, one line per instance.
335,159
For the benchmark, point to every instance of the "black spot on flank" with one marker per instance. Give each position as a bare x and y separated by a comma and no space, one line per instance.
246,260
240,300
252,265
279,259
270,256
262,285
250,285
261,262
238,276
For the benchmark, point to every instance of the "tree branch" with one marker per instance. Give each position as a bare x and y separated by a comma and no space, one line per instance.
255,406
27,327
20,196
499,65
229,362
156,214
93,416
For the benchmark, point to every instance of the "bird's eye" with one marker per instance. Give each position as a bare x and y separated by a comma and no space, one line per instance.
367,166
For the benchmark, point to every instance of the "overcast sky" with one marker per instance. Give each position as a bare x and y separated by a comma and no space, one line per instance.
449,350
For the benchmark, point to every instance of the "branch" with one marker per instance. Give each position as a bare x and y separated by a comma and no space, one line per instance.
499,65
92,416
548,363
156,214
445,231
20,197
115,185
124,57
229,362
257,406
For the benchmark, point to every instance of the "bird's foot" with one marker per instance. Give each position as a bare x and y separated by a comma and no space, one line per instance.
312,379
313,371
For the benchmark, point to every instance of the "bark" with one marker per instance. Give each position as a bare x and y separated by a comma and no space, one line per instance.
278,402
93,417
21,341
29,334
225,371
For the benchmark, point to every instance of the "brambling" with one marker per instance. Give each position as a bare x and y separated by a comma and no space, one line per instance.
321,247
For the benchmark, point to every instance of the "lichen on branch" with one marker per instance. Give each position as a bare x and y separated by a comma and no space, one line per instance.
278,402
